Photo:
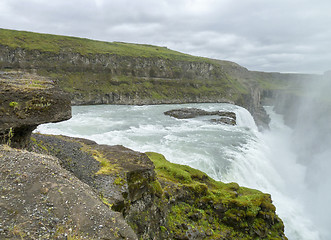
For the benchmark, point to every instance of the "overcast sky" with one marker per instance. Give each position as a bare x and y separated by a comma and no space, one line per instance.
264,35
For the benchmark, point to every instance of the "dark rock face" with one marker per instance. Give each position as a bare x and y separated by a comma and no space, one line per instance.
184,113
27,100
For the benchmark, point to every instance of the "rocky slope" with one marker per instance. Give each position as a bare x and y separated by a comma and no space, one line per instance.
41,200
92,191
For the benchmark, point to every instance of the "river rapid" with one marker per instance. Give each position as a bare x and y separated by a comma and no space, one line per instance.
266,160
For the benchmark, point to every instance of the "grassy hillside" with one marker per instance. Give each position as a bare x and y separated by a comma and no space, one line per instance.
97,72
57,44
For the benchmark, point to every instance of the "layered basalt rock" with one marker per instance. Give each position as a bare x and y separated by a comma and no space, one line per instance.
94,72
27,100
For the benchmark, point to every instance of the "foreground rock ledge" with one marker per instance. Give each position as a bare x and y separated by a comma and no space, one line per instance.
27,100
161,200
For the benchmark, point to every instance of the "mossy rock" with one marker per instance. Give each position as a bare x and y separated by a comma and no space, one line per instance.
202,208
163,200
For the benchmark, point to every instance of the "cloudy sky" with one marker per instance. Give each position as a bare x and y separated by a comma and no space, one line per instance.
264,35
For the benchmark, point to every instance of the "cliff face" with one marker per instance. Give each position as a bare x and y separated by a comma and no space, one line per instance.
111,79
95,72
119,73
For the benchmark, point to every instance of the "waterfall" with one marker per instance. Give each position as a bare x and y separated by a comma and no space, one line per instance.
269,161
245,119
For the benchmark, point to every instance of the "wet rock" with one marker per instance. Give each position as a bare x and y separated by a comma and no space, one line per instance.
227,121
185,113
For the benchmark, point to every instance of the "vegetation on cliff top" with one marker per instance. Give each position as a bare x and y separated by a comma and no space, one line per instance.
57,44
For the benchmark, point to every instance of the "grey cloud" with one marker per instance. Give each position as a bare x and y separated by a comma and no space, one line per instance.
283,35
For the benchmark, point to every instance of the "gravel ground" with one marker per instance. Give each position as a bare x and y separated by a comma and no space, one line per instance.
41,200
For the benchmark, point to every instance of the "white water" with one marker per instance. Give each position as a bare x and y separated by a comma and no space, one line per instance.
264,161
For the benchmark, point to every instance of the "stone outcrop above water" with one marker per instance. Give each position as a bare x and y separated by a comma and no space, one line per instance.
27,100
185,113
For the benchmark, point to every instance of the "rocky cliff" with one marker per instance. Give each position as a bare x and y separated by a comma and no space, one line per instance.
95,72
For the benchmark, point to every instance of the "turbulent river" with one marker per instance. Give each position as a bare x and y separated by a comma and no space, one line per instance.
262,160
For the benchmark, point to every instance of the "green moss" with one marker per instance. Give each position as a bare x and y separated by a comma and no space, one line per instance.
119,181
175,172
106,167
13,104
163,229
39,144
156,188
37,103
105,201
230,211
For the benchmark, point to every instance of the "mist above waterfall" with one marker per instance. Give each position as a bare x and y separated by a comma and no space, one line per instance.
312,144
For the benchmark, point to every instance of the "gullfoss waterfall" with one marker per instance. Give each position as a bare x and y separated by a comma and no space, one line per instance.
261,160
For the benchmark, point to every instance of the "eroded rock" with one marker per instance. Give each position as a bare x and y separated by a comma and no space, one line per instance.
27,100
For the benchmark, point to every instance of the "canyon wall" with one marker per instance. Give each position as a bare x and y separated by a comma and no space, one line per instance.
95,72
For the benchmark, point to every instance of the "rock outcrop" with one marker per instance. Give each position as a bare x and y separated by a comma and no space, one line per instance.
184,113
27,100
161,200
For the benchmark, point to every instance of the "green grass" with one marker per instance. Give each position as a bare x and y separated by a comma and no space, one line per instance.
87,83
56,44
